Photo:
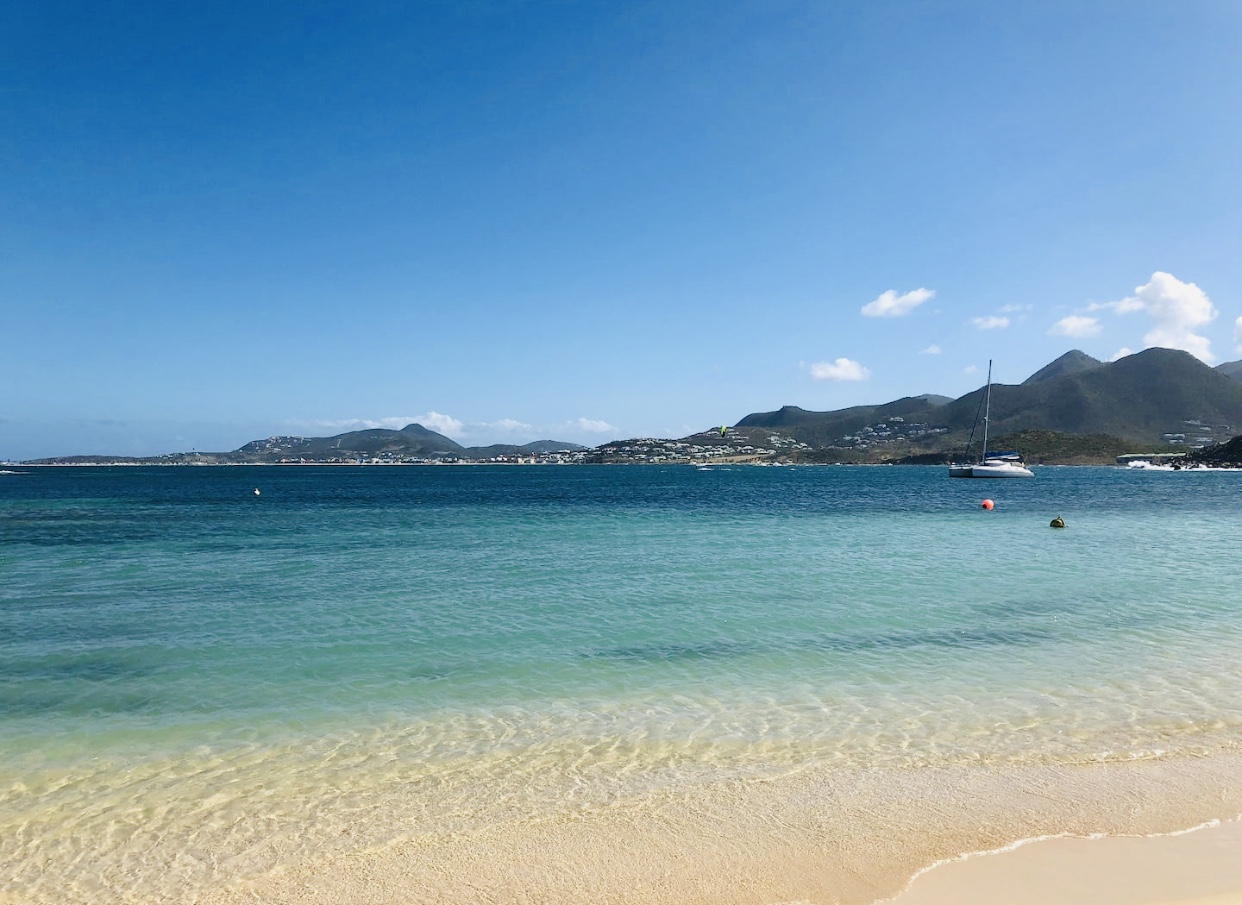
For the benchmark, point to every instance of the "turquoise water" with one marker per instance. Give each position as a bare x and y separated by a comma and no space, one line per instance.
431,646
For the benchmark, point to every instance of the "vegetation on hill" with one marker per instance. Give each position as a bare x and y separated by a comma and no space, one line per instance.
526,449
1137,399
823,429
1074,410
1072,362
1043,447
1220,455
1232,370
412,440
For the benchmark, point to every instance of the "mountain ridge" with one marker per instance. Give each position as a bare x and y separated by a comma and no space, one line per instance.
1231,369
1139,398
412,441
1152,398
1072,362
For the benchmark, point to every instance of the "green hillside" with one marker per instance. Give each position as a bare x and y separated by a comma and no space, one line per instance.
1227,455
824,428
1136,399
1072,362
413,440
1076,409
526,449
1041,447
1139,398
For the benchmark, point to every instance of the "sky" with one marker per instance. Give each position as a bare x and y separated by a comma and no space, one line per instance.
585,221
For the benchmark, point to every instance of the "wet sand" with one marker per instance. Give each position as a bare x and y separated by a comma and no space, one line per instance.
821,837
1203,867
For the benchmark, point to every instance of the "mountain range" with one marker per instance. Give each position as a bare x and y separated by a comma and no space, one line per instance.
1145,399
1139,398
411,441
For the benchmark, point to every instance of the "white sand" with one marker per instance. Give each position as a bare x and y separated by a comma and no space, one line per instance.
1203,867
823,837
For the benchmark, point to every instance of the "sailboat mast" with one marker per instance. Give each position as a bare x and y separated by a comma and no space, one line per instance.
987,411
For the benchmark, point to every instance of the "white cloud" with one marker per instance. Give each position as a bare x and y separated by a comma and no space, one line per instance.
970,369
1014,309
1121,353
395,422
592,426
504,424
991,323
1177,310
841,369
441,424
890,304
931,350
1076,325
1237,333
510,430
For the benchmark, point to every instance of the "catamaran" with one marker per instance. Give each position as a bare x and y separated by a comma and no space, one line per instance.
996,465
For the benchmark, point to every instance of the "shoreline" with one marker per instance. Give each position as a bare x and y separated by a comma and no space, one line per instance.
1195,866
876,837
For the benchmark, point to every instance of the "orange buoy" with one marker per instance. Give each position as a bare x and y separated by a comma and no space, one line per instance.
987,504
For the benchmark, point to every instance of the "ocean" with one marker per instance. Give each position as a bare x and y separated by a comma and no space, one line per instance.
204,689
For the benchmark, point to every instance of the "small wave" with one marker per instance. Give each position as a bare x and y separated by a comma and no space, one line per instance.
1022,843
967,638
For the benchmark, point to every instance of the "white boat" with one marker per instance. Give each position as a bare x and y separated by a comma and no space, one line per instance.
997,465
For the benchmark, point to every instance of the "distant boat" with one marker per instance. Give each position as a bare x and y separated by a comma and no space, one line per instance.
997,465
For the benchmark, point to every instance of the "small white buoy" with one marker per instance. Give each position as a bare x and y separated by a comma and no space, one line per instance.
256,491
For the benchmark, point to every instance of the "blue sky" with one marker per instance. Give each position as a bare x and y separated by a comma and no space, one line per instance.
589,220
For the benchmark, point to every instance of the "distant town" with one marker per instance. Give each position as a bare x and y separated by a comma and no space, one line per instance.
893,441
1076,410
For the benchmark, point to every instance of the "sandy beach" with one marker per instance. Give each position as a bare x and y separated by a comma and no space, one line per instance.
820,838
1199,867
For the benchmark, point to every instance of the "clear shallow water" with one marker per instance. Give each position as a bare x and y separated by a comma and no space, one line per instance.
188,668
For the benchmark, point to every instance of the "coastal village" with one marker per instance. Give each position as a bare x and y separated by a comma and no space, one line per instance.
1075,411
884,442
730,446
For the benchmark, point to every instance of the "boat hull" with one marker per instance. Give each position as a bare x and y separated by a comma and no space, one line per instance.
990,470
